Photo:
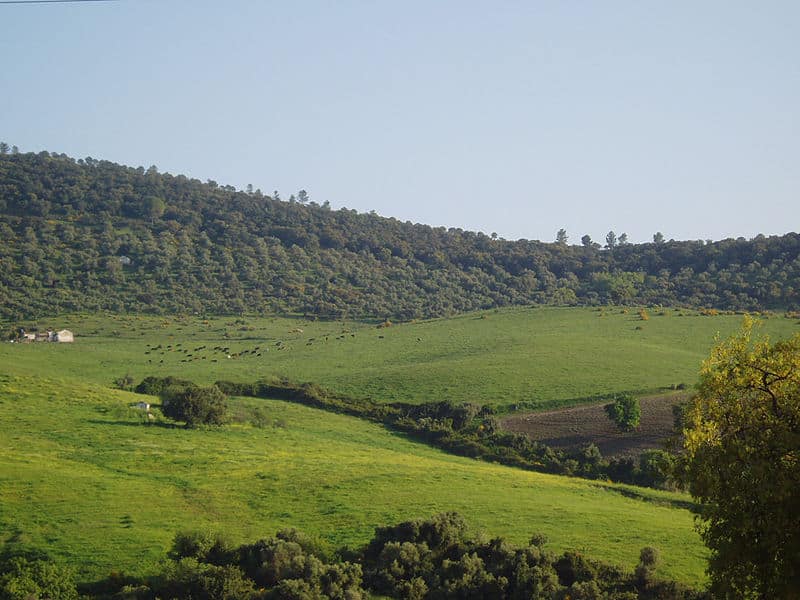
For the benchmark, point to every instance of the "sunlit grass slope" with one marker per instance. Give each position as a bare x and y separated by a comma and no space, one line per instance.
538,355
84,479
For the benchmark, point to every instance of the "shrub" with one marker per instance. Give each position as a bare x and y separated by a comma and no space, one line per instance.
655,468
124,383
153,386
573,567
22,579
194,405
648,561
624,411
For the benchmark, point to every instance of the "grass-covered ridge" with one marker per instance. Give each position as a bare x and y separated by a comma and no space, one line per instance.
535,356
84,479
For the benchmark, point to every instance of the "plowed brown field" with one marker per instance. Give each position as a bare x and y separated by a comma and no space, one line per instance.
575,427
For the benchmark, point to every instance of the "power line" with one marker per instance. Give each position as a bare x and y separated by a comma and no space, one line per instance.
50,1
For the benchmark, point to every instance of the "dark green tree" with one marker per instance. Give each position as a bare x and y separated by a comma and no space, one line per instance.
625,411
22,579
648,561
194,405
153,207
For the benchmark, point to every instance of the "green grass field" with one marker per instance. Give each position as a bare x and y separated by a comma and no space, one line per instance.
543,356
83,478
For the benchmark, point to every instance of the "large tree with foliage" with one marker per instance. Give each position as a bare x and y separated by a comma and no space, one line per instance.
742,441
194,405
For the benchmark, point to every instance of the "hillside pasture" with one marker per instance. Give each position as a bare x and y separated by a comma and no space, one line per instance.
84,477
532,358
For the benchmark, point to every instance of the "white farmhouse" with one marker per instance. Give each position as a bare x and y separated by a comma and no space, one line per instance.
65,335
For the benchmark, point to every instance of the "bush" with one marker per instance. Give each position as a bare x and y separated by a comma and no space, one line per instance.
22,579
625,411
190,578
194,405
154,386
648,561
655,468
435,558
574,567
124,383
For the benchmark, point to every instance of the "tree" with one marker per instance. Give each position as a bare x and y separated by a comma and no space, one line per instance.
648,561
586,241
194,405
3,148
658,237
742,444
611,240
22,579
153,208
623,239
561,237
625,411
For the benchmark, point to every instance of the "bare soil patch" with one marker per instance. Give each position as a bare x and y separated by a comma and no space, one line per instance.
570,428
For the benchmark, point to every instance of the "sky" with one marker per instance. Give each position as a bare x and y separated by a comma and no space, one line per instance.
518,118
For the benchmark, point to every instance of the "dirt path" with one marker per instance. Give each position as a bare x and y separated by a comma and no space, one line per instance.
581,425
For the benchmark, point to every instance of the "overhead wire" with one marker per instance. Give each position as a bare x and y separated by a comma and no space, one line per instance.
50,1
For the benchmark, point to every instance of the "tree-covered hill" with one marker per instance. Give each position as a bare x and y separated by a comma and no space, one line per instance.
88,234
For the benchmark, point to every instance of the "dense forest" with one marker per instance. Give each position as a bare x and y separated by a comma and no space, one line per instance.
89,234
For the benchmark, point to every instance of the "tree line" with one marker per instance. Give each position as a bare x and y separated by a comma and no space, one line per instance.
89,234
437,559
464,429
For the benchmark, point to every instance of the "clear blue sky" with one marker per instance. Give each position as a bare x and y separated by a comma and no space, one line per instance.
510,117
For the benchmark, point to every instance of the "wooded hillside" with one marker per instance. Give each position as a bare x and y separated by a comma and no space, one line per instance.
88,234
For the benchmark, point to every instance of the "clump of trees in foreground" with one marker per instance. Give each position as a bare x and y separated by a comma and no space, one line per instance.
438,558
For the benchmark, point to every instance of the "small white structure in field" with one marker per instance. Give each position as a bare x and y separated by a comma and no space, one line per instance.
65,335
143,406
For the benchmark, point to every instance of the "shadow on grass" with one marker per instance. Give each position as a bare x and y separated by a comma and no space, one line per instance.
628,493
137,424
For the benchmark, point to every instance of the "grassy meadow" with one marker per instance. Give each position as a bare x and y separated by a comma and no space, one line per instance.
541,356
84,478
